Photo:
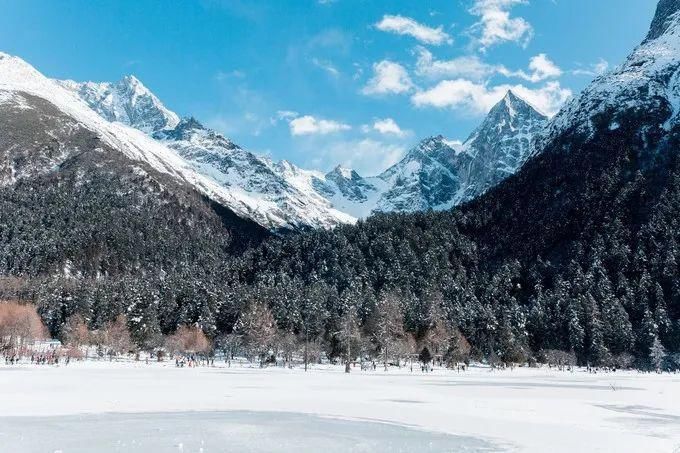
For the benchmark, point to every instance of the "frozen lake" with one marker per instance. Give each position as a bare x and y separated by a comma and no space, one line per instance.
133,406
255,432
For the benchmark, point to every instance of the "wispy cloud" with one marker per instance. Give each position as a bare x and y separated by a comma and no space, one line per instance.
496,25
222,76
540,67
388,78
471,67
326,66
367,156
406,26
595,69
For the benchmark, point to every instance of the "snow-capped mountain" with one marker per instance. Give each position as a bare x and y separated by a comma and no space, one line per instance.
438,174
127,101
267,195
273,209
648,81
435,174
427,178
500,146
342,187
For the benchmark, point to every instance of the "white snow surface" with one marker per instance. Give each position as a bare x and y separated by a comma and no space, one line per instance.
523,410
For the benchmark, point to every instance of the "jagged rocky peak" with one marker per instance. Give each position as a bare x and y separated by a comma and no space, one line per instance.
183,131
191,133
432,148
432,144
127,101
511,119
512,111
665,14
190,123
500,145
344,173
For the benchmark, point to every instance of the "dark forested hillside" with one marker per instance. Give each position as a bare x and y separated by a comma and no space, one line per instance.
84,228
577,253
575,258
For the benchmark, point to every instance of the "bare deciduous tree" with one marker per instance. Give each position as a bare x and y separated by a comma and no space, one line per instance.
287,345
115,337
19,324
459,349
349,332
188,339
257,328
76,334
437,336
387,325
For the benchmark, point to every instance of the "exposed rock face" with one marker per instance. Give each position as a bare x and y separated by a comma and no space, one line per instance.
127,101
500,146
663,18
439,175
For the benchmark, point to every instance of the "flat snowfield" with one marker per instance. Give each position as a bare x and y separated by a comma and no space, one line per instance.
110,407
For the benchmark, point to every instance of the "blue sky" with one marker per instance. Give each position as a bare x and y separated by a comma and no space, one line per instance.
322,82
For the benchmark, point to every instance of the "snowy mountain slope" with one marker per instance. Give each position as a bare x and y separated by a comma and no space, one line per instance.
18,76
251,178
249,184
342,187
648,81
606,166
439,175
273,210
71,204
500,146
434,175
127,101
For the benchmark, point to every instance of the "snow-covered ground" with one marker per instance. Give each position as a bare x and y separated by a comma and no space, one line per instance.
101,406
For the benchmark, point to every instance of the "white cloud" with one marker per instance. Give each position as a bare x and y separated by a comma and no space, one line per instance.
283,115
308,125
469,67
472,67
541,67
326,66
388,77
386,126
367,156
495,24
594,69
406,26
478,98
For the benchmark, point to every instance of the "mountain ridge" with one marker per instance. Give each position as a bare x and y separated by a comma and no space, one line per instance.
339,197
